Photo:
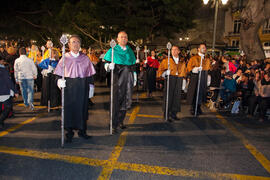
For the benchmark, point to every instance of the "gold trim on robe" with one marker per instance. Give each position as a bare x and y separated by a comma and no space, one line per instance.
195,61
178,70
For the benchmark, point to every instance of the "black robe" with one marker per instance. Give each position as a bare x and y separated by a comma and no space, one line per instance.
50,91
151,78
122,92
76,102
175,88
192,88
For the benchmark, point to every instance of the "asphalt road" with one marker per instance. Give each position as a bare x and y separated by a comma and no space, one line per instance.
216,145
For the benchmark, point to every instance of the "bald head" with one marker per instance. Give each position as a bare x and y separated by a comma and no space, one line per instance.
122,38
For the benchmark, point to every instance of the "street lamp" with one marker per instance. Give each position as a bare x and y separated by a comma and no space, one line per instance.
216,2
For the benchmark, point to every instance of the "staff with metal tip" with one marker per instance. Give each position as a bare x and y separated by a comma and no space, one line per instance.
169,47
42,49
199,82
112,44
50,44
64,41
137,62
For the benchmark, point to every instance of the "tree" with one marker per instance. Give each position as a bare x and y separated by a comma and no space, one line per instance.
31,20
253,16
99,20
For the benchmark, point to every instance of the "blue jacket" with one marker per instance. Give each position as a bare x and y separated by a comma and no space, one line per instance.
229,84
46,62
6,84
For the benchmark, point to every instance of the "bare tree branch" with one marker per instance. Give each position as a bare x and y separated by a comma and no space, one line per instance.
29,22
32,12
50,13
87,34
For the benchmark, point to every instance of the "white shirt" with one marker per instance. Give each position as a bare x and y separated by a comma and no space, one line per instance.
74,55
24,68
124,48
200,54
176,59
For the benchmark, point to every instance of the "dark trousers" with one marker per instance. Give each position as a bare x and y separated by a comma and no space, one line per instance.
253,101
119,119
5,108
215,95
264,104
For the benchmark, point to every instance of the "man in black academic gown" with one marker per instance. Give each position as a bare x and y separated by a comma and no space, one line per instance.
124,79
78,77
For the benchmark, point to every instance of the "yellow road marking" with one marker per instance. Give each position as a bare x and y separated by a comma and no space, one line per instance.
252,149
40,107
138,115
108,169
127,166
5,132
146,115
52,156
183,172
111,164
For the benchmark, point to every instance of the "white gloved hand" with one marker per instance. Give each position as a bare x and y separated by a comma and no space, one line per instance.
61,83
196,70
135,78
44,72
137,61
106,67
145,62
166,73
50,69
208,80
91,90
184,83
111,66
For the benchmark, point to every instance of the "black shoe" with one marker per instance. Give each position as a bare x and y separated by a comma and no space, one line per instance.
174,117
199,111
2,125
122,126
83,135
170,121
114,131
91,103
68,140
69,136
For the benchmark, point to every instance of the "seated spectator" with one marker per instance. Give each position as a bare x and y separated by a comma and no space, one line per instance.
242,65
237,76
215,74
228,88
228,64
236,65
264,92
245,88
267,67
253,100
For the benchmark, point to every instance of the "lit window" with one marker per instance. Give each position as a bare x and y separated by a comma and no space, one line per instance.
236,26
266,27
